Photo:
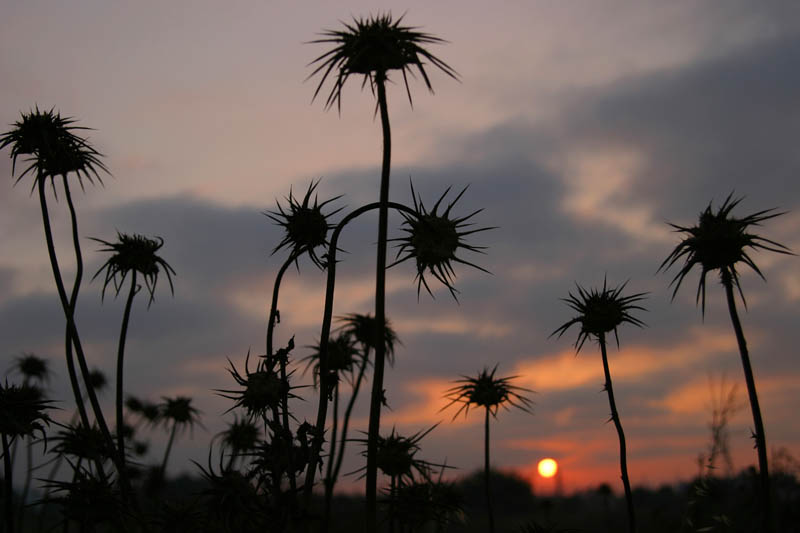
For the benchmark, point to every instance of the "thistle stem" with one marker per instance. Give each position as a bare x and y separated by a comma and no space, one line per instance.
73,301
760,437
120,366
9,486
380,314
623,454
273,317
168,450
69,312
347,413
322,411
486,472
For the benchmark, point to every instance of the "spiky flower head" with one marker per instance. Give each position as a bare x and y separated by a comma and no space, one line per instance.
487,391
80,442
718,242
97,379
342,358
305,225
22,411
372,47
32,368
241,436
364,330
179,411
396,456
434,238
262,392
601,312
52,146
134,253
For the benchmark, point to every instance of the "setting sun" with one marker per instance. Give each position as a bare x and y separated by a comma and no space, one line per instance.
547,467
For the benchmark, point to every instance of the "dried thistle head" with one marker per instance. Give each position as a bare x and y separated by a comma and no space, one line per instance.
241,436
134,253
32,368
433,239
364,330
262,390
487,391
718,242
80,442
396,456
342,358
180,412
601,311
22,411
305,225
52,147
371,47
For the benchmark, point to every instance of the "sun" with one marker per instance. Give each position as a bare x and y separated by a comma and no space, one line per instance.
547,467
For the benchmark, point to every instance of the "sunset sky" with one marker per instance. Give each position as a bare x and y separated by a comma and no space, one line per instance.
581,128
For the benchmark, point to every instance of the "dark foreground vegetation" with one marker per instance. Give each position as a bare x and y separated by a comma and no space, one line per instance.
707,504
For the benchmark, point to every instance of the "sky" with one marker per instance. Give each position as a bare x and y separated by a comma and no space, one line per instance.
581,128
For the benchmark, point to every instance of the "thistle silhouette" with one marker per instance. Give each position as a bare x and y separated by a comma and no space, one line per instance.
718,243
601,312
489,392
433,238
135,255
52,148
372,47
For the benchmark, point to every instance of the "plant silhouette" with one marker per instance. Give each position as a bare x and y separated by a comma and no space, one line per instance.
135,255
489,392
51,146
372,47
601,312
719,242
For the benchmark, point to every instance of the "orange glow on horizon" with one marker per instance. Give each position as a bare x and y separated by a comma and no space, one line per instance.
547,467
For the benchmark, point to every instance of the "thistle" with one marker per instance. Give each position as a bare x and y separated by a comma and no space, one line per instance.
434,238
718,243
262,392
53,148
22,414
32,368
490,393
371,48
134,254
601,312
180,412
305,225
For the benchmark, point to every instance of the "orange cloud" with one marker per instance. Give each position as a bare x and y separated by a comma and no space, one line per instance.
563,371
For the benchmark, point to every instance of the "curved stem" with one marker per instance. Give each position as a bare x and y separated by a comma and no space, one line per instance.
26,487
123,333
272,319
348,411
623,457
486,471
339,453
322,411
72,330
9,486
380,313
760,437
73,301
167,451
